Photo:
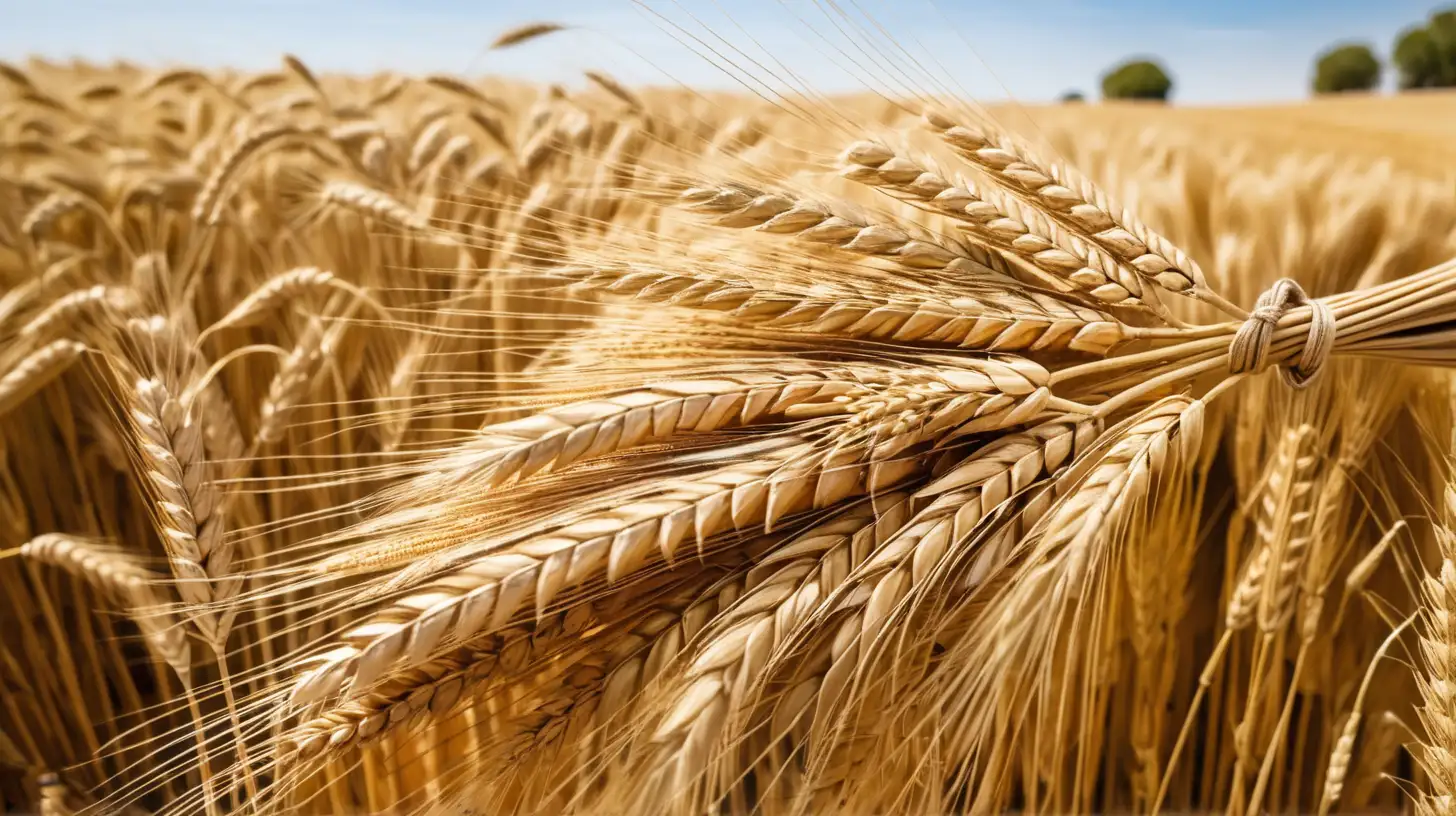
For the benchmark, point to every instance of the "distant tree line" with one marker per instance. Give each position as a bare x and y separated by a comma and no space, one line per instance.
1424,56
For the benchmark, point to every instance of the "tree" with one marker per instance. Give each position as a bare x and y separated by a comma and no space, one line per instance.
1071,97
1443,37
1426,55
1346,68
1417,59
1137,79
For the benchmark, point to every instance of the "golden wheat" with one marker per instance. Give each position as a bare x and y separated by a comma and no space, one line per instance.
534,449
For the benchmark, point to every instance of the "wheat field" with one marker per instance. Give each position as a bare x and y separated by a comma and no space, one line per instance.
425,445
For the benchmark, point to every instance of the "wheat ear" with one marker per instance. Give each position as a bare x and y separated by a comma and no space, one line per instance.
999,220
211,198
187,504
74,307
35,371
117,574
783,593
988,321
558,437
295,375
1437,683
615,88
1285,524
281,289
742,207
38,221
431,689
372,203
1079,204
525,33
489,591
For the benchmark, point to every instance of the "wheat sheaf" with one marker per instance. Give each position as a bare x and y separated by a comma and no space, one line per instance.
619,450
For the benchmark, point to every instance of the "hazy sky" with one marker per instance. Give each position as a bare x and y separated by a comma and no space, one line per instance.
1219,51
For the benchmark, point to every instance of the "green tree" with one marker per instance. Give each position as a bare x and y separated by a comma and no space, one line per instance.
1071,97
1426,54
1443,37
1417,59
1137,79
1346,68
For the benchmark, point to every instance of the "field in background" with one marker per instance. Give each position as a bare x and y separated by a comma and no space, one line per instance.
235,307
1412,130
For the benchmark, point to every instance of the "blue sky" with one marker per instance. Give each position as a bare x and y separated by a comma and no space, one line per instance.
1221,51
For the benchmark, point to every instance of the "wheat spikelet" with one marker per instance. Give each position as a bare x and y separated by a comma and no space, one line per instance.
1339,765
349,132
431,689
1284,525
942,404
492,126
296,67
453,85
558,437
427,144
374,157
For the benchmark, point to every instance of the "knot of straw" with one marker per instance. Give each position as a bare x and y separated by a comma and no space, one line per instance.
1250,347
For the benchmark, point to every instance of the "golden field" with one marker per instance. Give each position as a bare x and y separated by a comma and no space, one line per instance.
425,445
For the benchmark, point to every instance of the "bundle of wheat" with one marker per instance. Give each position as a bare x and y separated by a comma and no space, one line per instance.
482,448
